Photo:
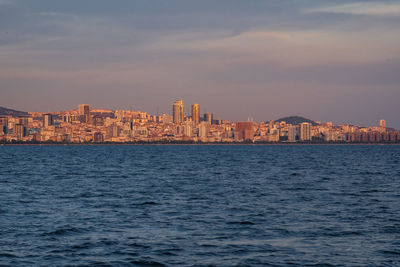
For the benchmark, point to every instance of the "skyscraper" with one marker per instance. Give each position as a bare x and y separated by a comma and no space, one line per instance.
382,123
305,131
178,111
84,112
196,113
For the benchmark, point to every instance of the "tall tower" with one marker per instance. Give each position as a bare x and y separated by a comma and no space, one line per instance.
382,123
196,113
305,131
178,111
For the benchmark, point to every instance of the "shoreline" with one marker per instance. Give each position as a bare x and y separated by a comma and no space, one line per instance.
200,144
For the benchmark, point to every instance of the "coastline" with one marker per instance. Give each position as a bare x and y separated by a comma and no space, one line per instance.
199,144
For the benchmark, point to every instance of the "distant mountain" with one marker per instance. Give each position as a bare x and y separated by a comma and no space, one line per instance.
295,120
10,112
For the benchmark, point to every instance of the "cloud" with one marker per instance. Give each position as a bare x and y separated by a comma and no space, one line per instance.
253,54
284,48
365,8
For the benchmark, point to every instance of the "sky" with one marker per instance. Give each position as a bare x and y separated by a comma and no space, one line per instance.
332,60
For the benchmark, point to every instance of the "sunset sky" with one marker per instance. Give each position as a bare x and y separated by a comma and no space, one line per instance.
326,60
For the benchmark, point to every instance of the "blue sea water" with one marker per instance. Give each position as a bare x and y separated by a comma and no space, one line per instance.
200,205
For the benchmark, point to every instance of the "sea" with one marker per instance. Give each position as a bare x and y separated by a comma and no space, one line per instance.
200,205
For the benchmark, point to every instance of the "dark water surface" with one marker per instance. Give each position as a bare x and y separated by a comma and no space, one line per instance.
200,205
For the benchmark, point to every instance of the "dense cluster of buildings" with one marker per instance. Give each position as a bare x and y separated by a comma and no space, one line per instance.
86,125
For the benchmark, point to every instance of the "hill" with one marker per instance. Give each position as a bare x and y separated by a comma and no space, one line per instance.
11,112
295,120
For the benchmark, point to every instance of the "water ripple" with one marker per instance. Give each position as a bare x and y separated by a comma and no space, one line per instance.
199,205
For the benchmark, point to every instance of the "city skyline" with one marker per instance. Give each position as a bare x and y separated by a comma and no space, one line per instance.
333,60
188,112
88,125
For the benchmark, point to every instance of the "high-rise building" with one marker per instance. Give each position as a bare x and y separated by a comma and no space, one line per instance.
382,123
292,134
48,120
196,113
305,131
178,111
84,112
208,117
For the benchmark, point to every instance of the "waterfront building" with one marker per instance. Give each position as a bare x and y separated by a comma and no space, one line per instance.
98,137
245,130
178,111
113,130
196,113
204,128
292,134
273,135
305,131
20,131
3,125
188,128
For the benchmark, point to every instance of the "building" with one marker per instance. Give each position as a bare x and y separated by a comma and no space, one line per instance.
208,117
20,131
48,120
84,112
188,128
292,134
23,120
3,125
98,137
204,128
245,130
113,130
83,109
382,123
178,111
305,131
196,113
